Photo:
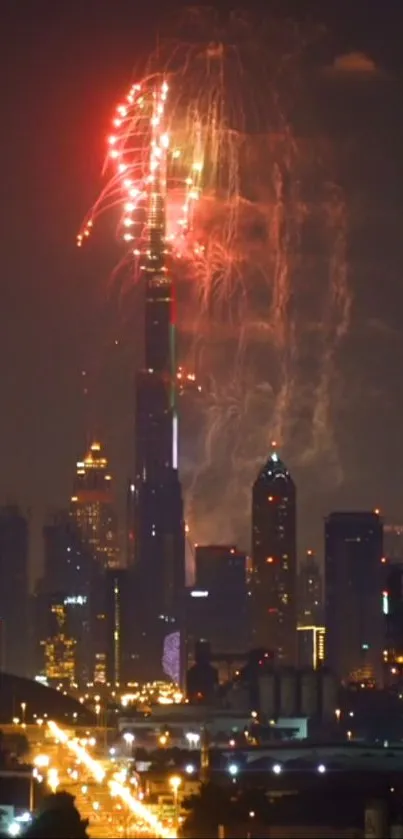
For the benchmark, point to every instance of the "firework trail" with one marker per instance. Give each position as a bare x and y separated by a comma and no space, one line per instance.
255,237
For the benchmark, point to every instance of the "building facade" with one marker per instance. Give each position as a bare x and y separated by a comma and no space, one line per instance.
218,605
59,645
72,571
310,591
353,586
274,561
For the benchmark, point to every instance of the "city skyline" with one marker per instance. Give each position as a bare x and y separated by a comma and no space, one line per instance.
201,510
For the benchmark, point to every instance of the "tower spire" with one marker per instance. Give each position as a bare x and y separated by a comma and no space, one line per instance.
159,525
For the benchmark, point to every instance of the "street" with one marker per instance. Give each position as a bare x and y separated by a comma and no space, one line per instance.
102,789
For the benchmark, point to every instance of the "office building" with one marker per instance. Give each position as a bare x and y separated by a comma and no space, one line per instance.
274,561
310,592
71,570
14,602
92,507
353,585
218,605
68,561
59,660
159,539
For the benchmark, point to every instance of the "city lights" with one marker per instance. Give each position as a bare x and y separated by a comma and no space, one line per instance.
118,788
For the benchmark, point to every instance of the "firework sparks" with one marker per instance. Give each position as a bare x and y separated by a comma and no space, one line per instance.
144,167
260,315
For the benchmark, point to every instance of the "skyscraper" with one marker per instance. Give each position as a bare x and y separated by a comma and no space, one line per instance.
274,560
159,525
59,660
14,591
93,507
310,597
72,571
218,604
353,592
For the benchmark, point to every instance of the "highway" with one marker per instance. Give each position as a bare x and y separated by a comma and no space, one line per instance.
103,792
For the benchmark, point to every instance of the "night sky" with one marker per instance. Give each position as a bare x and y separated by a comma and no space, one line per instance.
64,64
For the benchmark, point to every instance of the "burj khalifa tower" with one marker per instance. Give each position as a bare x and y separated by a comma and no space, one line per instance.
159,529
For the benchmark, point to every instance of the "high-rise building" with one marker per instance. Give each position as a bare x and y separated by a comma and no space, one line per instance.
353,586
14,603
68,562
392,608
71,570
274,561
159,523
59,660
93,507
218,605
310,592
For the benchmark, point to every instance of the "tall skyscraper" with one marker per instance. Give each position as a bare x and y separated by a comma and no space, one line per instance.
14,541
159,524
93,507
310,593
274,561
353,592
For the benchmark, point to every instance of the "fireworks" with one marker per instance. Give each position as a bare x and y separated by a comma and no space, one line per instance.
145,171
254,238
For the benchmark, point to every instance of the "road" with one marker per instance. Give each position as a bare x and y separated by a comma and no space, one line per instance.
103,793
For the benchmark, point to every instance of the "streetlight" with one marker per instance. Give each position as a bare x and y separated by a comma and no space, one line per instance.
193,738
175,782
98,712
129,740
53,779
23,709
